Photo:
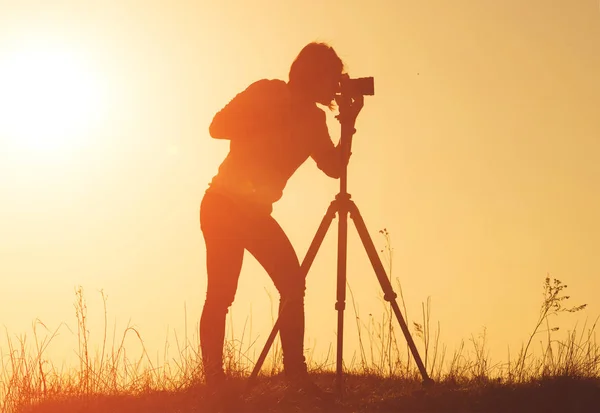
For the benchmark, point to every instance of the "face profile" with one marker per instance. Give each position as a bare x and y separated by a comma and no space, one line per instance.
328,87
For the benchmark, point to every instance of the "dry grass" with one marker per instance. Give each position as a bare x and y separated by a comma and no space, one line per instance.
563,377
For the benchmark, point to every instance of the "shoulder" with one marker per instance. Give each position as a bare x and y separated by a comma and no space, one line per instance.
268,86
261,92
266,92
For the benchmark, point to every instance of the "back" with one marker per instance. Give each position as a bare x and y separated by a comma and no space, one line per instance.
271,135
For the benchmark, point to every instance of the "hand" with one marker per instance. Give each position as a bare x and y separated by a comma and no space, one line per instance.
350,107
357,104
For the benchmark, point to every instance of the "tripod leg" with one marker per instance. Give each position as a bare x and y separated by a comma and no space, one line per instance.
304,267
389,294
340,304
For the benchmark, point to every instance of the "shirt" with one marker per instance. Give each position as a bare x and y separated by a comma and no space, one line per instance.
271,134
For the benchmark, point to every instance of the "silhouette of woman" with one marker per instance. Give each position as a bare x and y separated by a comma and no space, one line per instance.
273,127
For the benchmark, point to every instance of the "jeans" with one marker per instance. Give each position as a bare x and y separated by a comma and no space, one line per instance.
229,228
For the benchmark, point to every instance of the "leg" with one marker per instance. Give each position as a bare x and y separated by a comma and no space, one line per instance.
304,268
273,250
224,255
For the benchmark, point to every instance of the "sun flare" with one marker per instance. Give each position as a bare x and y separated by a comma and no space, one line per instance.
48,99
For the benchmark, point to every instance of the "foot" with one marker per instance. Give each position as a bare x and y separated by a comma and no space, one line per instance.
303,385
223,394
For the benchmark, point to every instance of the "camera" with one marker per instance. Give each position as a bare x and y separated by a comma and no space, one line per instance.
364,86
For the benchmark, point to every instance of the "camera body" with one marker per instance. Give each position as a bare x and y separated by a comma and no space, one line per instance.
362,86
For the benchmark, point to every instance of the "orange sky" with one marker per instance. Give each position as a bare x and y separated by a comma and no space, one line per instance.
479,154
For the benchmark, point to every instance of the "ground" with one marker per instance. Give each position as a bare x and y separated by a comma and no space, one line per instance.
361,393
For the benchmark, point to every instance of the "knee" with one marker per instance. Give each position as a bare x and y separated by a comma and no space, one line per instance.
294,289
217,303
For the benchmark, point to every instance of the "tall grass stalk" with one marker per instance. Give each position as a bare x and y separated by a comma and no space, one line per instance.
28,377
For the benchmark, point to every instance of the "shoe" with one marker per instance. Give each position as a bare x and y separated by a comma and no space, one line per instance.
303,385
223,394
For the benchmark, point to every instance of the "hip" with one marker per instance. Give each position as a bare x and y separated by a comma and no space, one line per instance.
220,211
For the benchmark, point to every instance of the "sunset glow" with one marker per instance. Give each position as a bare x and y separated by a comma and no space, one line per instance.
479,154
49,100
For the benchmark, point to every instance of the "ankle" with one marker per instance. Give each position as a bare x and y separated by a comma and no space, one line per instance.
295,369
215,378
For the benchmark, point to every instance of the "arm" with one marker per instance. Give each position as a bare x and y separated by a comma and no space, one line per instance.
327,155
330,158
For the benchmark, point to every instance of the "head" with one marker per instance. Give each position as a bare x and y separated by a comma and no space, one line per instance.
316,73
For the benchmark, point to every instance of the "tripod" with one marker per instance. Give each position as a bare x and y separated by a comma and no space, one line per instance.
343,206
